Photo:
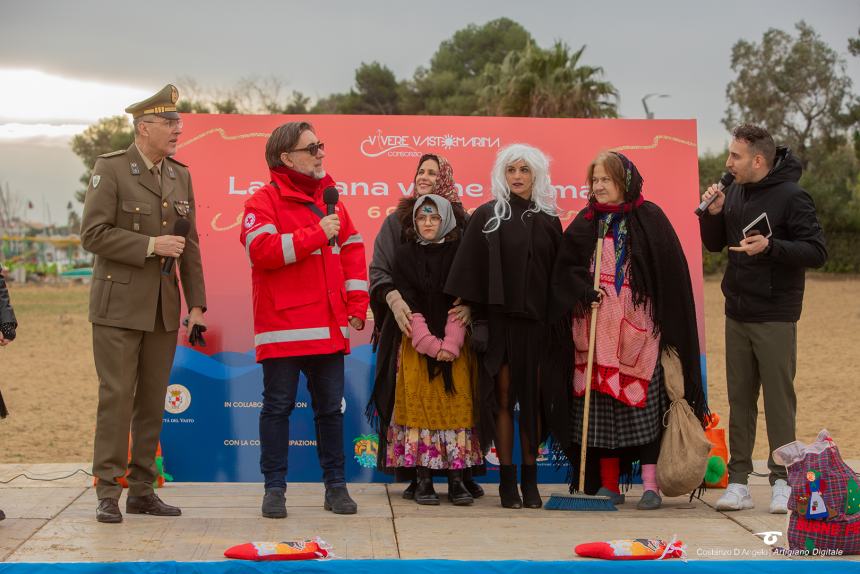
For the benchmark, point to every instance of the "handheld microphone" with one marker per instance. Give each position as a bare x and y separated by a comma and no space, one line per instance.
180,228
330,198
724,182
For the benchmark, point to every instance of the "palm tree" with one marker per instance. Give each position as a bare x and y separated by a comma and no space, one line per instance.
547,83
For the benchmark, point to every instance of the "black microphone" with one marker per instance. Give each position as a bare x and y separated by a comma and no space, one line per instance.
180,228
330,198
724,182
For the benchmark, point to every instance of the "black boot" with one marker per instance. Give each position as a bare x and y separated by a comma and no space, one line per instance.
473,487
409,493
508,491
457,492
338,500
274,503
424,493
528,485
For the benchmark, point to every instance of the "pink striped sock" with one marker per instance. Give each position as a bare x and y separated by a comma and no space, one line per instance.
649,477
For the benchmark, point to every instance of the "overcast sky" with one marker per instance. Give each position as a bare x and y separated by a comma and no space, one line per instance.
108,55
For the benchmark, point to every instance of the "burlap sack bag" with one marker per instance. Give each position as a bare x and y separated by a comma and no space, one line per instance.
684,449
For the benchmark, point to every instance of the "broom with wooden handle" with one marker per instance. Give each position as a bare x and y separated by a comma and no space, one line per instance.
582,501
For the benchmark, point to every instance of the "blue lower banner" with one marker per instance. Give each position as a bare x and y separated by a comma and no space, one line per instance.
211,423
439,567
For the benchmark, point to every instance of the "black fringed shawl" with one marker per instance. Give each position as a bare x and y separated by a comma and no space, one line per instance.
658,273
506,274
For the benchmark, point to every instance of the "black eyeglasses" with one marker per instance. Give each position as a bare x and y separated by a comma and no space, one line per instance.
314,149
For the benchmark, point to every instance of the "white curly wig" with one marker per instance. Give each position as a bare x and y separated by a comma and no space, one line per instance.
543,193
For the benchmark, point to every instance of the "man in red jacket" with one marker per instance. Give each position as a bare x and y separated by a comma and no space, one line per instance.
307,293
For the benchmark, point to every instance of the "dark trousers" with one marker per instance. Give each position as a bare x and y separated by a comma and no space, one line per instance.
133,369
280,382
760,356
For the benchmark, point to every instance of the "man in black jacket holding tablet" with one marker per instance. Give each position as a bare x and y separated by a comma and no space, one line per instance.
763,286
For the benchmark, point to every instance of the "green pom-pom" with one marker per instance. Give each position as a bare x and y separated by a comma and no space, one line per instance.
716,470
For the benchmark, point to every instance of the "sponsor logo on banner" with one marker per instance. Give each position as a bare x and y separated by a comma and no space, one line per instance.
366,447
543,452
178,399
403,145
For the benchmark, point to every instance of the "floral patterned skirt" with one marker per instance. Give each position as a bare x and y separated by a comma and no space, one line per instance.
437,449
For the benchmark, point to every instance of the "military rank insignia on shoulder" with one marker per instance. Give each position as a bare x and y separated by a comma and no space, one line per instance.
113,153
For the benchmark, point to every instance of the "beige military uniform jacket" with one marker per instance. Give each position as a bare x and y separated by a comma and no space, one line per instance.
124,207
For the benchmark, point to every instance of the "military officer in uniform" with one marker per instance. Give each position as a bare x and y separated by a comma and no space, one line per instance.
133,201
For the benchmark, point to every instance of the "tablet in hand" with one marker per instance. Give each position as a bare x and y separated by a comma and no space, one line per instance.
759,226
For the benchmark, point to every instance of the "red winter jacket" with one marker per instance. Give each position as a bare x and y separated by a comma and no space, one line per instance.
304,290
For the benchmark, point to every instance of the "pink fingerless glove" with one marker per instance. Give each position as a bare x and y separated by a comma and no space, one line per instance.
455,334
422,339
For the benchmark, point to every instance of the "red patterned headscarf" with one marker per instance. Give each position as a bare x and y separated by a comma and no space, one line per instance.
444,185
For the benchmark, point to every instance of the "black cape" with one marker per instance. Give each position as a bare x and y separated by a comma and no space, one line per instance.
505,276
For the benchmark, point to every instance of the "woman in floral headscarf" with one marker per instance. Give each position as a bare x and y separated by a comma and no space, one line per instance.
392,314
645,306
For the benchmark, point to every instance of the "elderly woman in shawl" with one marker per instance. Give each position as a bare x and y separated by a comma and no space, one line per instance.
645,305
392,314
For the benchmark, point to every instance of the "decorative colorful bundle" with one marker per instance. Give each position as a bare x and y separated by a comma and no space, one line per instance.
294,550
633,549
825,499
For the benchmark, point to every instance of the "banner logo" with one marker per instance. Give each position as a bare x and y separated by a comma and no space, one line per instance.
401,145
366,447
178,399
543,453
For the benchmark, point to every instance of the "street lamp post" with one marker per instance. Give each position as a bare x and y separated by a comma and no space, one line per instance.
648,113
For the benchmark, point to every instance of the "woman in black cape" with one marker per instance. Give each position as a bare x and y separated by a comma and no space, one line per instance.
503,270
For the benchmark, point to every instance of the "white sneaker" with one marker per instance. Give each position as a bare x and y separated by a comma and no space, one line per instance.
780,491
736,497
